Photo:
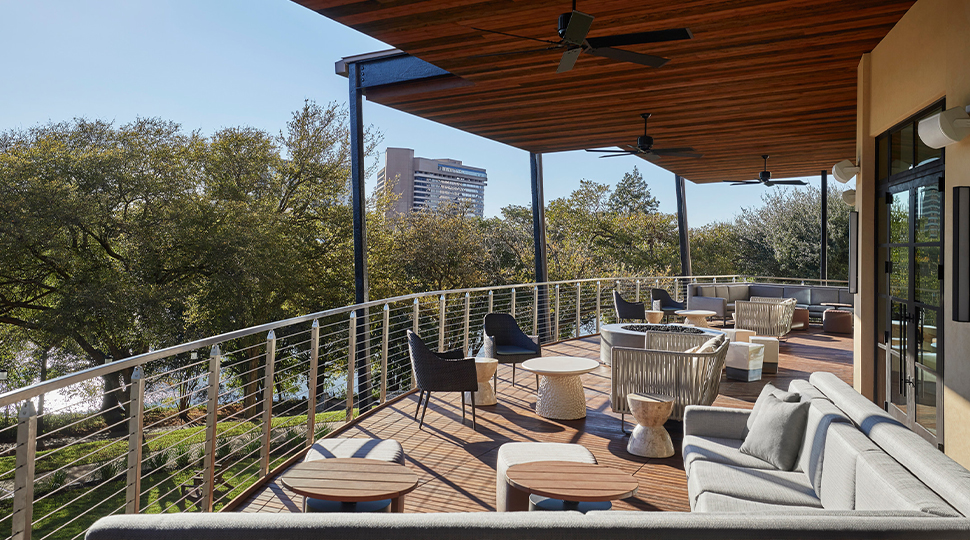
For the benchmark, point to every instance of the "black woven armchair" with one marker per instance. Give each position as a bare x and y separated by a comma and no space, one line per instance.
442,372
628,310
505,342
667,304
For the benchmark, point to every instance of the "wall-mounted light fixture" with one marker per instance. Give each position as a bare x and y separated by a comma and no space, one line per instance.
844,170
853,252
945,128
849,197
961,254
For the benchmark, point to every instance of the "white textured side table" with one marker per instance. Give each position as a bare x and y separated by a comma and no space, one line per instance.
744,361
561,395
649,438
486,394
770,364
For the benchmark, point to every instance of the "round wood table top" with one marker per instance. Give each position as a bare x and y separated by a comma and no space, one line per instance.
350,479
560,365
571,481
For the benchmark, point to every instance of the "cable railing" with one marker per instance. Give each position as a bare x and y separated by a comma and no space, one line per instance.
200,426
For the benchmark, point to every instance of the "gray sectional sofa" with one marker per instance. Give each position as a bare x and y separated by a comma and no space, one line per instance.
854,457
860,474
720,297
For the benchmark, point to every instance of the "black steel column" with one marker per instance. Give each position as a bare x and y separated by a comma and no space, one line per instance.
682,226
539,242
823,263
359,200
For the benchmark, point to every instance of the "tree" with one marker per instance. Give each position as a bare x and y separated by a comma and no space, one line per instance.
713,249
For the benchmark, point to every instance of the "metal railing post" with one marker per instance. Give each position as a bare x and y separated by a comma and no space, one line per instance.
557,314
136,424
267,402
579,308
599,296
535,310
491,301
468,314
512,308
441,324
211,418
311,400
384,339
638,291
23,484
414,328
351,364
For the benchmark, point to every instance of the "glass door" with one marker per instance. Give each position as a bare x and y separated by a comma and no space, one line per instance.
912,250
909,300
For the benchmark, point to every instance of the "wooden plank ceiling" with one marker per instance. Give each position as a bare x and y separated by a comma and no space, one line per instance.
759,77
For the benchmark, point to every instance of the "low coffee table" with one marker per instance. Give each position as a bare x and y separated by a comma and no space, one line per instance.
836,305
570,485
349,481
485,368
697,317
561,395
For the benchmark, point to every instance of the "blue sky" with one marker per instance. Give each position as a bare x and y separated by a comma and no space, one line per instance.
218,63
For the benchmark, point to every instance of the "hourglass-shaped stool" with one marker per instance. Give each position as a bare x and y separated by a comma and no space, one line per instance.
649,438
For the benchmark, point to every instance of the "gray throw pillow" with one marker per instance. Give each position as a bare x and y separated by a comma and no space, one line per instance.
771,390
777,434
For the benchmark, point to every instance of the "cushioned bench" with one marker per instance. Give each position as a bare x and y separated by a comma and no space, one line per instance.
720,297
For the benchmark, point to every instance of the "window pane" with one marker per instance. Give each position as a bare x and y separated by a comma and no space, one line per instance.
926,399
928,275
899,277
926,334
899,218
929,213
901,150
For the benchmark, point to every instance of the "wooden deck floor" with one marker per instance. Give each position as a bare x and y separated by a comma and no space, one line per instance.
456,465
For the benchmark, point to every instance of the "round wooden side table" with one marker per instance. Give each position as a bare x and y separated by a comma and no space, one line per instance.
654,317
350,481
568,485
649,438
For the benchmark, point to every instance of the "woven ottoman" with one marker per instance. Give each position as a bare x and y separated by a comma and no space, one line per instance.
770,364
836,321
738,335
744,361
509,499
799,320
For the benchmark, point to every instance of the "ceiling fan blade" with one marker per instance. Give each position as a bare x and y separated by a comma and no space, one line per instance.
515,35
577,28
608,151
526,51
569,59
618,155
648,156
789,182
627,56
748,183
656,36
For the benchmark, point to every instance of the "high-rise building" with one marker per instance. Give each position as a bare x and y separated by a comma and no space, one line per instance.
429,183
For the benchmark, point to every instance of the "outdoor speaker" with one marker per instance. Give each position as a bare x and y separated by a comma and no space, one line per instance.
961,254
853,252
844,170
944,128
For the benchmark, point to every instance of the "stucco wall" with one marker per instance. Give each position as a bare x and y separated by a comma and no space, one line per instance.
924,58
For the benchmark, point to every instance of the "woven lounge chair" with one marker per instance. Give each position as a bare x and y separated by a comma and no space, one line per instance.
442,372
628,310
765,316
507,343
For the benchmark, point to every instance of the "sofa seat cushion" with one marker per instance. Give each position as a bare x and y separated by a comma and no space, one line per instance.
883,484
384,450
718,450
759,485
717,502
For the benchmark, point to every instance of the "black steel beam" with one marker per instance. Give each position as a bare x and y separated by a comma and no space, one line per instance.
539,242
359,200
823,262
685,269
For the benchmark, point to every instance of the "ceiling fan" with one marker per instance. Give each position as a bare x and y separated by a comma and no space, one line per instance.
764,177
573,28
645,149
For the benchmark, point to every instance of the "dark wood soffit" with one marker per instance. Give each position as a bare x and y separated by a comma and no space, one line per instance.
775,78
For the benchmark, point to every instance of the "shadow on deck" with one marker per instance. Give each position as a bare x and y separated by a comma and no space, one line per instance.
456,465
